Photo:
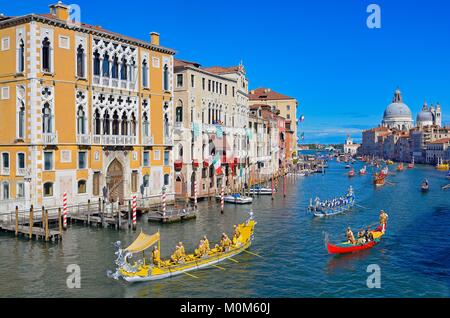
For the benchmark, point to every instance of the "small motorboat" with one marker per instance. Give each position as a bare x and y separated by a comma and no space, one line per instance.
425,186
373,238
237,199
258,190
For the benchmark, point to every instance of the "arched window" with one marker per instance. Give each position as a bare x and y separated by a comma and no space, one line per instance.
80,61
21,121
115,68
146,180
145,125
144,73
46,119
132,71
115,124
166,179
81,121
166,77
97,123
105,66
48,189
81,186
106,124
124,125
46,55
96,63
179,112
21,57
123,69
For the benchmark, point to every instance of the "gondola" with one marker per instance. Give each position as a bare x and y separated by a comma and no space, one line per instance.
141,271
425,187
332,207
363,171
258,190
379,179
346,247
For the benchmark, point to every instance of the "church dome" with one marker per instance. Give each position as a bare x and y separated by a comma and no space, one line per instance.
397,109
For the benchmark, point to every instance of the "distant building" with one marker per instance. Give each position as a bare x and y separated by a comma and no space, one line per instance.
350,147
437,150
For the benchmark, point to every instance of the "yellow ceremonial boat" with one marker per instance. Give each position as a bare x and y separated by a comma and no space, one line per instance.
141,271
442,166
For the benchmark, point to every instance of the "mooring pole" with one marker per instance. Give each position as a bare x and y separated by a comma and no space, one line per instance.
17,220
129,214
134,212
59,223
31,222
89,212
46,226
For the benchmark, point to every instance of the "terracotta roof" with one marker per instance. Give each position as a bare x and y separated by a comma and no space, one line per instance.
178,62
378,129
441,141
267,94
223,70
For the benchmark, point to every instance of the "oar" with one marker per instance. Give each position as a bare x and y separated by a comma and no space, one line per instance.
363,207
193,276
254,254
221,268
231,259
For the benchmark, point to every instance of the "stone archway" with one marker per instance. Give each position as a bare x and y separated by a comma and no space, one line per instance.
115,181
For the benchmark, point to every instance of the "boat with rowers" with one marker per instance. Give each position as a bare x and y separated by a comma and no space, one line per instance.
351,173
411,165
363,171
366,238
259,190
389,162
400,167
442,166
334,206
379,179
142,270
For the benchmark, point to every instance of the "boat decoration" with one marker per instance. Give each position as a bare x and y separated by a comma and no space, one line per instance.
261,190
334,206
142,270
369,239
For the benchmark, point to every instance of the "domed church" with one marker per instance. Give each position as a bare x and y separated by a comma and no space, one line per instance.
429,116
397,115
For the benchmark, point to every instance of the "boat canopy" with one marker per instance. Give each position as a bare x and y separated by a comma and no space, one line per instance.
143,242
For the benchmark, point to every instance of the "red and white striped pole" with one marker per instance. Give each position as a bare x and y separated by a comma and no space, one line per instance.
195,194
65,210
164,202
222,195
134,206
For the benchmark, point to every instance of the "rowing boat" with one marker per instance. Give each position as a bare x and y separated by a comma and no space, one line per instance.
351,173
332,207
400,166
140,271
379,179
346,247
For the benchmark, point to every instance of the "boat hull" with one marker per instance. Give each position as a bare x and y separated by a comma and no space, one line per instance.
342,249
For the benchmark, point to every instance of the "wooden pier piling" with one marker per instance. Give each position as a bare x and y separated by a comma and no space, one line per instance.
17,221
31,222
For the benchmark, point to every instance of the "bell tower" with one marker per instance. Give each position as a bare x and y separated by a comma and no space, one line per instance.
438,115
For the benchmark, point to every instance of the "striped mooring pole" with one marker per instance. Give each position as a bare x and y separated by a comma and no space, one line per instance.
134,206
164,202
65,210
222,195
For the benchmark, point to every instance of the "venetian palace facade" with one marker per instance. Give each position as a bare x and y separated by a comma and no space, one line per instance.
83,111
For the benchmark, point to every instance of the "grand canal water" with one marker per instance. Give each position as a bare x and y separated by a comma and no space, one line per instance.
414,257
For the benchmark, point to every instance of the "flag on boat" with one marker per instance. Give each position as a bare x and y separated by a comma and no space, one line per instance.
217,165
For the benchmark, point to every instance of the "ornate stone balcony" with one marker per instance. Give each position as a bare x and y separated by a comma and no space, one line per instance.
83,139
50,138
148,140
114,140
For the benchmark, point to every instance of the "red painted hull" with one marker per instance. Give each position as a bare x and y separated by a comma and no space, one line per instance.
336,249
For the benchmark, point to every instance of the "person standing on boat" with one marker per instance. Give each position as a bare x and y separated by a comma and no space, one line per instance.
156,256
206,243
237,233
182,251
383,220
350,236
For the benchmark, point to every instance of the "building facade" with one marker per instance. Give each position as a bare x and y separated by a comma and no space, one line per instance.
211,123
350,147
84,111
288,107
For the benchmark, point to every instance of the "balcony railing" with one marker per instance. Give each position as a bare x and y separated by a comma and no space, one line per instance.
21,172
5,171
50,138
148,140
114,140
83,139
168,140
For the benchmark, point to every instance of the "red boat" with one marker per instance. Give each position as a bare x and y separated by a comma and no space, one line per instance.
400,167
346,247
351,173
379,179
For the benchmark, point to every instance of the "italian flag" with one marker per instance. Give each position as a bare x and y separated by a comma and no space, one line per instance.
217,165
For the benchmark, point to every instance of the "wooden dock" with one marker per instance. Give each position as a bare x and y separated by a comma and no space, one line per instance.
172,215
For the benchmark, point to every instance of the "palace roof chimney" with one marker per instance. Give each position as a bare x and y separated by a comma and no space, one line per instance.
60,11
154,38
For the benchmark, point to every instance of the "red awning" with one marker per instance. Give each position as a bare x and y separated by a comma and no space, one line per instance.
195,163
205,163
178,165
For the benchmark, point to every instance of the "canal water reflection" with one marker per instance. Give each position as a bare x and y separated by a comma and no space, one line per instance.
414,256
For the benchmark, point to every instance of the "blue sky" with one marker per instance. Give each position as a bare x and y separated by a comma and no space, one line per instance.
321,52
